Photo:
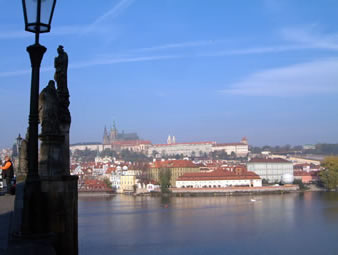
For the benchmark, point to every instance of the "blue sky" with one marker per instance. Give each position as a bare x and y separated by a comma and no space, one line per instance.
200,70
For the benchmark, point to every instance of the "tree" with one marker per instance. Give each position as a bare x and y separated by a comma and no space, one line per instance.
108,183
133,156
300,184
154,153
193,155
107,152
329,176
134,188
144,174
165,177
85,155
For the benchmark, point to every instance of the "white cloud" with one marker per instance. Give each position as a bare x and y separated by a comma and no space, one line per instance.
94,62
311,36
110,61
307,78
181,45
15,73
114,12
14,34
257,50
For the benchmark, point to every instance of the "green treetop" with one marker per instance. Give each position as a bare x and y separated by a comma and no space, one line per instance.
330,175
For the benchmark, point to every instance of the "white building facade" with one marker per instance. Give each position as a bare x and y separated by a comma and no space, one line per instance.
220,183
270,169
241,149
187,149
218,179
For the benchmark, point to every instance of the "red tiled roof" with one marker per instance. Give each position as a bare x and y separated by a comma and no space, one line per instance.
130,142
110,170
73,167
313,166
304,173
194,143
227,144
93,182
174,163
268,160
218,175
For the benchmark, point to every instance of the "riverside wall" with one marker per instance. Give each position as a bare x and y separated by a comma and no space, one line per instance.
235,190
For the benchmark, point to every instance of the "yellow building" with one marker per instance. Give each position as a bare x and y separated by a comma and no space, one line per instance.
127,183
176,167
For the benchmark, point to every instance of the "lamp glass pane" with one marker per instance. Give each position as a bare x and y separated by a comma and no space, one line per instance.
31,10
46,12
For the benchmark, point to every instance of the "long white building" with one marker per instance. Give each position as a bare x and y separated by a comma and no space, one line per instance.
241,149
187,149
199,148
218,179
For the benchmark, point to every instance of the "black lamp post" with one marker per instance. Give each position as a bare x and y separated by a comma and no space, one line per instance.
18,144
38,17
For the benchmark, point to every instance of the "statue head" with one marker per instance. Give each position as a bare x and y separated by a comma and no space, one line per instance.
60,49
51,85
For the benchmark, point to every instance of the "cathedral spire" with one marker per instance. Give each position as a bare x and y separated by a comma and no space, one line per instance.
113,132
106,139
169,140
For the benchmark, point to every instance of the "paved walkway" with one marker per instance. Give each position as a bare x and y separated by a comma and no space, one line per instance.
6,208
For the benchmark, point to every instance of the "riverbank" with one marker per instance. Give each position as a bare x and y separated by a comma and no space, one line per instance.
210,191
233,190
228,191
95,194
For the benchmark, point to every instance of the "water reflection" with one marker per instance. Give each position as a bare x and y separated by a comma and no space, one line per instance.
200,225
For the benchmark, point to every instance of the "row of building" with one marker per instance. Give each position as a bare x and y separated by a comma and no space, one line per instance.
126,177
240,149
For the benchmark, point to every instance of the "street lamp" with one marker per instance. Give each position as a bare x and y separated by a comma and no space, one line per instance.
18,143
38,17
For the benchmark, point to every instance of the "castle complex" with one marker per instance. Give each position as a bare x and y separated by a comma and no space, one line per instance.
116,141
123,141
113,135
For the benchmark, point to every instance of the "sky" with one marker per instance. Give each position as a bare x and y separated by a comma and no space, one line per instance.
199,70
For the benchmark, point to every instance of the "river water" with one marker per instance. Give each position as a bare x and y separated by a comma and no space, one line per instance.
295,223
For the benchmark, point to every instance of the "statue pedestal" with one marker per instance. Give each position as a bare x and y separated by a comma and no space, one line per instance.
50,209
60,196
51,155
64,129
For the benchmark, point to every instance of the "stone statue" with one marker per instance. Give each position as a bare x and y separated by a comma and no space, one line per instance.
61,66
55,122
48,110
60,76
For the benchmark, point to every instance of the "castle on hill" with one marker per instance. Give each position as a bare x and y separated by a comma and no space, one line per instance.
114,136
123,141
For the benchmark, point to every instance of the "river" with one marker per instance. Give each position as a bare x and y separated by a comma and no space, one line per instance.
294,223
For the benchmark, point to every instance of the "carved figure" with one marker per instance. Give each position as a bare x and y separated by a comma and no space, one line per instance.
48,110
61,66
60,76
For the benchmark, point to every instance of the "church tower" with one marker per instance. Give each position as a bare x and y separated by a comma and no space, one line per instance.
113,133
244,140
106,139
169,140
